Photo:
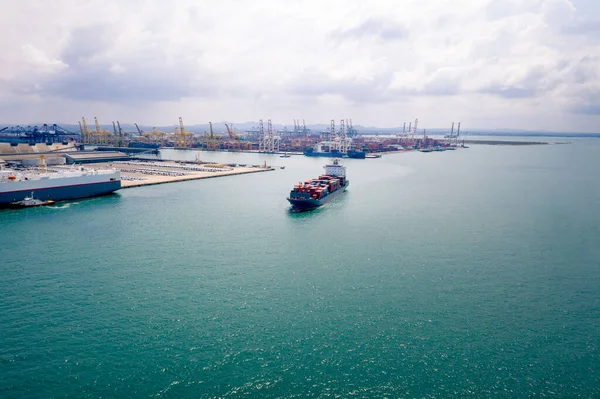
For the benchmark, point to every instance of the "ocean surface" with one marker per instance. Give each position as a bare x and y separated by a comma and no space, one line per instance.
468,273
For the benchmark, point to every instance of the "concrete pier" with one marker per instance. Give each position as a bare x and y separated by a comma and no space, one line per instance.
139,173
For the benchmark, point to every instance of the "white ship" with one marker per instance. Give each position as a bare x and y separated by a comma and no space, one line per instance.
62,185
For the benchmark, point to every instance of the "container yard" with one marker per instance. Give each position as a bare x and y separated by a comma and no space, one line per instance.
145,173
136,173
336,139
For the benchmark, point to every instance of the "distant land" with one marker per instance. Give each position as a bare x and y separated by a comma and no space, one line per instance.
220,129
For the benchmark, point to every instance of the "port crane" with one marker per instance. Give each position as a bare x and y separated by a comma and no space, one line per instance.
210,139
231,134
103,135
122,135
46,133
181,135
157,136
262,143
119,135
87,133
235,139
269,143
118,138
144,137
140,131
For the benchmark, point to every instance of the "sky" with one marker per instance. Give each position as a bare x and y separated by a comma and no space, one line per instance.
491,64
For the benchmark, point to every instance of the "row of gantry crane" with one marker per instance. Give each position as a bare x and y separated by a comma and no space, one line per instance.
179,138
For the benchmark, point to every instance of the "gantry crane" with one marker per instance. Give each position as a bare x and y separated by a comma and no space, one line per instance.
181,135
122,134
103,135
157,136
81,133
87,133
210,139
140,131
234,137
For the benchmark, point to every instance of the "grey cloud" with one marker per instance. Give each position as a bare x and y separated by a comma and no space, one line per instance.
97,83
313,83
590,29
439,86
442,86
384,30
499,9
87,42
142,75
539,79
508,91
587,109
588,103
584,70
377,90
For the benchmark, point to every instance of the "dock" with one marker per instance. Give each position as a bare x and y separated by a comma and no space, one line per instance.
504,142
147,173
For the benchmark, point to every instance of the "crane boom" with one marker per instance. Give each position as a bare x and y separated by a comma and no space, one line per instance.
232,135
97,126
87,134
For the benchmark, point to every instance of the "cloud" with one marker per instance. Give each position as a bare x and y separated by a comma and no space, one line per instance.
511,92
373,27
228,60
356,90
499,9
588,109
535,81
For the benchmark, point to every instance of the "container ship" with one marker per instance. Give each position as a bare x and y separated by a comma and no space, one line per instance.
316,192
57,186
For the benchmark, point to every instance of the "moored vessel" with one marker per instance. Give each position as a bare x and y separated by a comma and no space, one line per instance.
61,185
317,192
318,151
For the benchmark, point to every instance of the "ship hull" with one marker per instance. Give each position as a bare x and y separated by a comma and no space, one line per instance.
357,154
311,203
61,188
337,154
332,154
141,144
61,193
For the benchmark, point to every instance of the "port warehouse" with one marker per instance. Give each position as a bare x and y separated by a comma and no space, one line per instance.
55,154
262,138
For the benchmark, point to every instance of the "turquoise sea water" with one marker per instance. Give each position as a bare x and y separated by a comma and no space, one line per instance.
472,273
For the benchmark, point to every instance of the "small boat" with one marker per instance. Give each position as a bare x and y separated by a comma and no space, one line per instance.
29,202
285,155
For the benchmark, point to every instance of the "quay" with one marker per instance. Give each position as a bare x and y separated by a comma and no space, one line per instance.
504,142
147,173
